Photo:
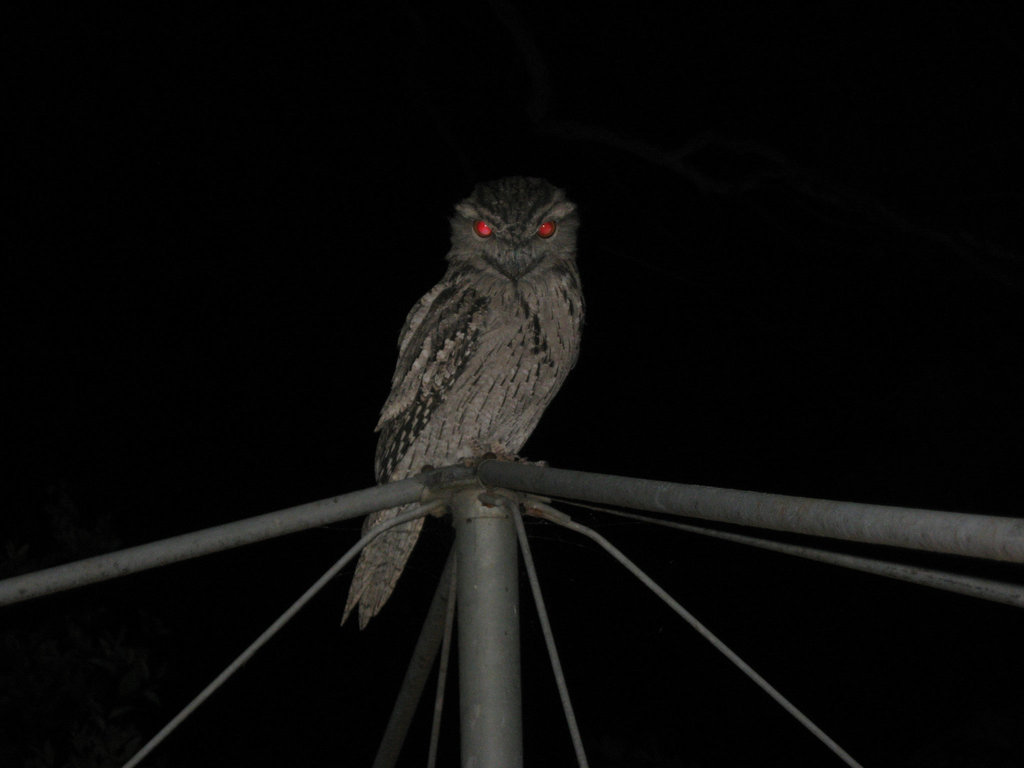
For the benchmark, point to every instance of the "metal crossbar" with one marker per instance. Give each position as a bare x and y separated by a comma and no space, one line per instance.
487,542
983,536
227,536
952,533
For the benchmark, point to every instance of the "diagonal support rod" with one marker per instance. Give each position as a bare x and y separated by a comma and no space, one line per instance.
274,628
442,675
549,641
548,513
422,661
983,589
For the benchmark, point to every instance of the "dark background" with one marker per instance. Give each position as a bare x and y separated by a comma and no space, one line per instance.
801,256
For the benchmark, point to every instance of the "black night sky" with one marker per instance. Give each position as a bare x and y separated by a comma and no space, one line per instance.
802,260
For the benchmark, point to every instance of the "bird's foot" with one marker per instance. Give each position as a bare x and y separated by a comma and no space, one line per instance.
496,451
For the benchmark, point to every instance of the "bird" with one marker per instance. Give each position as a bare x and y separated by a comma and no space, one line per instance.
480,357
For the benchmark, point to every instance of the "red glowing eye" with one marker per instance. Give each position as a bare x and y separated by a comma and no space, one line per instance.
481,228
547,229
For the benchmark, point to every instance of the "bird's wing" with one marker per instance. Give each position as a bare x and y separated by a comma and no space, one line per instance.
440,335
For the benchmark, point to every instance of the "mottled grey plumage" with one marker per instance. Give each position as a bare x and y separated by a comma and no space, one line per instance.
480,356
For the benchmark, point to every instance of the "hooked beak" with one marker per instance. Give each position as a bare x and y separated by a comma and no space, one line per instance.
514,263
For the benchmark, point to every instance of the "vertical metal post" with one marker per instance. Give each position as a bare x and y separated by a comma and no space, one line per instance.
488,615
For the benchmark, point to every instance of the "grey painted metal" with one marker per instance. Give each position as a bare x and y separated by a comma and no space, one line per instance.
972,586
228,536
442,677
955,533
549,641
488,611
423,657
563,519
272,630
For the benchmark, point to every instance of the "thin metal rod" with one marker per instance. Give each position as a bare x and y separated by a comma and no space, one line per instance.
549,641
227,536
442,674
562,519
422,661
984,589
272,630
488,607
954,533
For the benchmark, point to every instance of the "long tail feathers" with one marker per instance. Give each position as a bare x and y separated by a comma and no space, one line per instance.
380,564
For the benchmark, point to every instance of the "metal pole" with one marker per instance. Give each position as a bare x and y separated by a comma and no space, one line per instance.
227,536
488,613
953,533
